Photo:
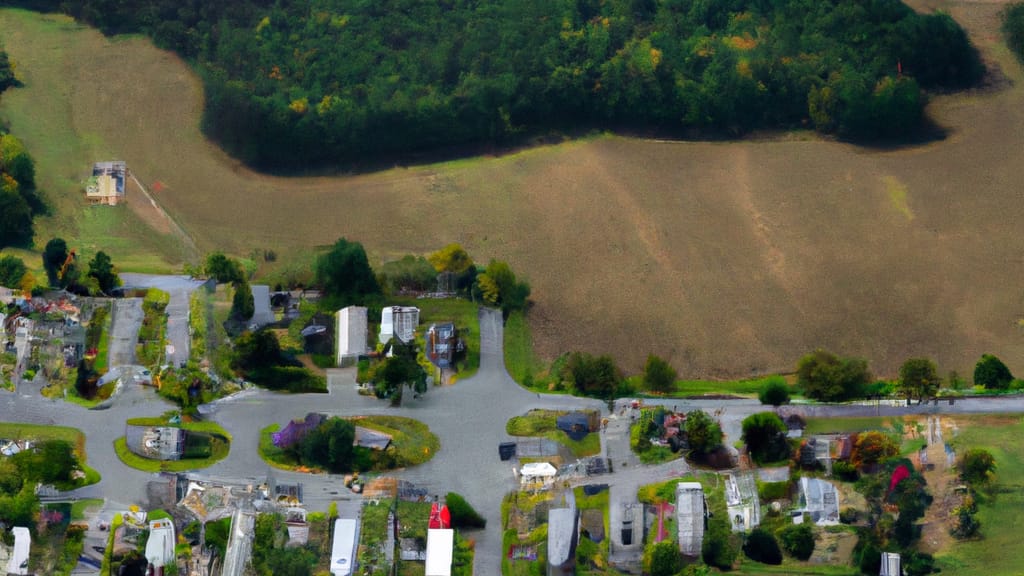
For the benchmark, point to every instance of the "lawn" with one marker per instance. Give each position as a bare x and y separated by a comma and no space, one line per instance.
80,507
520,360
219,446
40,432
998,551
373,535
412,440
543,423
465,316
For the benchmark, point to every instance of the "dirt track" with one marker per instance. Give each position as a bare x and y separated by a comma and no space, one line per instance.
730,259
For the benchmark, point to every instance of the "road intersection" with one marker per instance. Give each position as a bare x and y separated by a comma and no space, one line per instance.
469,417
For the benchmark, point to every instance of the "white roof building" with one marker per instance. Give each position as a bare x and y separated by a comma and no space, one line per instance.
18,562
820,500
343,549
890,565
262,314
440,550
537,471
399,322
160,546
351,333
690,517
742,501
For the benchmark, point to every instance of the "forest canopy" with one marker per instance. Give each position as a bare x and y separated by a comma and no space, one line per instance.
293,85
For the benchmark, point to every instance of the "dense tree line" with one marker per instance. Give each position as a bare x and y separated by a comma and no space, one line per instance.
1013,28
293,84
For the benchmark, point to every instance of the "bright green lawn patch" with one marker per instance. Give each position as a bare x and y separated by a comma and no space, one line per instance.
463,313
840,425
688,388
412,439
520,361
79,508
544,423
998,551
103,349
790,566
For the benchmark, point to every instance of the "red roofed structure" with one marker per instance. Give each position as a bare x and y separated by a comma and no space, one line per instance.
439,517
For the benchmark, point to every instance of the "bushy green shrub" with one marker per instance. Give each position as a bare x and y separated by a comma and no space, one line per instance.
991,373
775,391
762,547
463,515
797,540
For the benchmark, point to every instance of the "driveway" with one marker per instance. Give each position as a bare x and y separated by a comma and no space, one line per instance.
180,288
124,331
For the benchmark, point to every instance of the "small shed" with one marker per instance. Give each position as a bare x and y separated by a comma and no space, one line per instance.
537,471
262,314
372,439
440,550
161,542
351,334
890,565
106,186
690,513
398,322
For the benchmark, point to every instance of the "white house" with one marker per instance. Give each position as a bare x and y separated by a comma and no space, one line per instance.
160,546
351,334
440,547
398,322
18,562
343,548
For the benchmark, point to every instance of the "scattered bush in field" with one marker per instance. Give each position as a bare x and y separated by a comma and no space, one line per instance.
659,375
775,391
976,466
990,372
797,540
762,547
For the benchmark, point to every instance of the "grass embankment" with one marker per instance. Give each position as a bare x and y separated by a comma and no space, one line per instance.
40,432
103,316
846,425
997,552
543,423
197,317
219,441
520,360
64,142
153,331
412,443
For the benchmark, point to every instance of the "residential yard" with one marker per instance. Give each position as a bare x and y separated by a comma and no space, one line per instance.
209,453
412,443
998,551
847,425
543,423
150,347
39,432
372,537
458,310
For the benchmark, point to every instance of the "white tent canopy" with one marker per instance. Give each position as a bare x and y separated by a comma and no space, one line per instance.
538,470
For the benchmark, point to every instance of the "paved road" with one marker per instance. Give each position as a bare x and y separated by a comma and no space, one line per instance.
124,331
469,418
179,287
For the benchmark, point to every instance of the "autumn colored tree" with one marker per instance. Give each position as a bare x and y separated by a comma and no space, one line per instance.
919,379
499,287
873,447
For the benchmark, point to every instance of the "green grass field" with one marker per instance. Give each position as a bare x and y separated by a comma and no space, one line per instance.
843,425
998,551
543,423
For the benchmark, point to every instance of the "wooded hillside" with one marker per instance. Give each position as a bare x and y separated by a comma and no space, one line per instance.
292,85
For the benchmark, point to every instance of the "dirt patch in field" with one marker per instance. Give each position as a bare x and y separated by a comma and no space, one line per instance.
728,259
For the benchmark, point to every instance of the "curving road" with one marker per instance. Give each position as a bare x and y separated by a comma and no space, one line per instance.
469,418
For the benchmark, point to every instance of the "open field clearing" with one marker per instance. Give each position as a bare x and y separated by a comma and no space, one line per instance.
728,259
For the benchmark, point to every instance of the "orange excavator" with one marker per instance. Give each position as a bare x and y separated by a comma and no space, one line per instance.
67,262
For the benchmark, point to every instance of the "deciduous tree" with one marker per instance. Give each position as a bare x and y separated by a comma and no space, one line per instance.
873,447
223,269
344,273
54,256
824,376
775,391
919,379
702,432
765,436
102,269
12,270
659,375
15,219
991,373
977,466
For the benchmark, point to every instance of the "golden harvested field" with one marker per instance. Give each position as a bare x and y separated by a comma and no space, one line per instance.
729,259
